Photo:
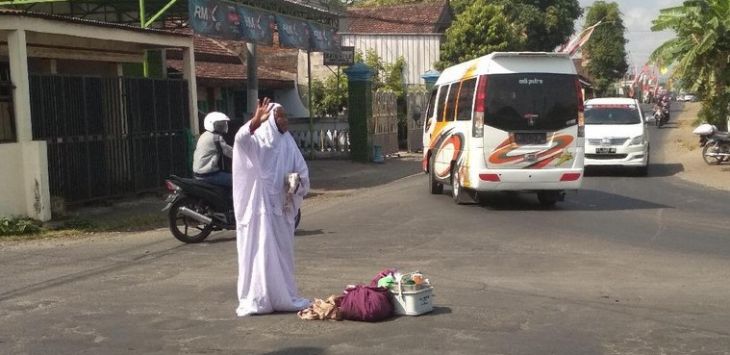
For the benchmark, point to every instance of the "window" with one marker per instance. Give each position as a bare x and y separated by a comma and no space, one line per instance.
7,116
465,100
431,104
429,110
531,102
612,114
451,103
443,92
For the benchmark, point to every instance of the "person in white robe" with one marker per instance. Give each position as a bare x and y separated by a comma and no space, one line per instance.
264,157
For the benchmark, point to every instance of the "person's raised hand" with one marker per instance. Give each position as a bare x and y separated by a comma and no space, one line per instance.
263,110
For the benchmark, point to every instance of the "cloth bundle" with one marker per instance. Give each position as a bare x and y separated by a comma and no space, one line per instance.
328,309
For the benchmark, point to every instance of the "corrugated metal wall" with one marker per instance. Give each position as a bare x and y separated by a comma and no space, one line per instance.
419,51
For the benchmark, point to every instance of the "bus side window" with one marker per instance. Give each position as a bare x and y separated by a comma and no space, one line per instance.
443,92
430,109
465,101
450,102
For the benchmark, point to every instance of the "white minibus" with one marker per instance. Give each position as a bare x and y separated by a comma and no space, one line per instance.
508,121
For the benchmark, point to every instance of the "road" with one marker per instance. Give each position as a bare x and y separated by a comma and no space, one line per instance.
628,265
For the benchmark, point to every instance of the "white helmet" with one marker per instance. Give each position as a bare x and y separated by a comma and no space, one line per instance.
212,118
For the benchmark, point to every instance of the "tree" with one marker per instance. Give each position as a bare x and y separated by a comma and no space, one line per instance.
700,52
605,52
328,98
547,24
479,30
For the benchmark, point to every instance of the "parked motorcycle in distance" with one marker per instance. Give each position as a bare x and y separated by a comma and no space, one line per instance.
197,208
716,144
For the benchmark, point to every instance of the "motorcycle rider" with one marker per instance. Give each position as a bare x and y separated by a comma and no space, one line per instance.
208,163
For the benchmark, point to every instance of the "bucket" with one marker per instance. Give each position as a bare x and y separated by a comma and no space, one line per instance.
378,154
411,300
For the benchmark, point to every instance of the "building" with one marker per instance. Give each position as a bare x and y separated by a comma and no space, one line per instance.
413,31
73,125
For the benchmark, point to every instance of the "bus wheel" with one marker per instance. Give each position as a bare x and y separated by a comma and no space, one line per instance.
549,198
434,187
458,193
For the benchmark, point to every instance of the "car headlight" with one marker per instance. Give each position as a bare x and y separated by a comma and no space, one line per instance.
638,140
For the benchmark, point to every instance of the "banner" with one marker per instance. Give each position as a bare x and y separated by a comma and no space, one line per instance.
323,38
293,32
576,43
215,18
256,25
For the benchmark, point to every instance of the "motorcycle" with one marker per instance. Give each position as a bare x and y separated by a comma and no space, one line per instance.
661,114
197,208
716,144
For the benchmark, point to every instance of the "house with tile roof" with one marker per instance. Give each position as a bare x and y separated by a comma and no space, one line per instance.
413,31
220,67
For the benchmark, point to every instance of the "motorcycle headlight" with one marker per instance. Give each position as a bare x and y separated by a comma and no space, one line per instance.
638,140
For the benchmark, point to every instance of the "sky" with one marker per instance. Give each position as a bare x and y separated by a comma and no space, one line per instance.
637,16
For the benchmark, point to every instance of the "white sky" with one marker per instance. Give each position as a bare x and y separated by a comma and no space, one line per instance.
637,16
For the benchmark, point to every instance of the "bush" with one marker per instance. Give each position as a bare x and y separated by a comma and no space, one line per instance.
18,226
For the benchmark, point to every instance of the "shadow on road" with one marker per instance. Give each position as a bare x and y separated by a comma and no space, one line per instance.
584,200
655,170
299,350
307,233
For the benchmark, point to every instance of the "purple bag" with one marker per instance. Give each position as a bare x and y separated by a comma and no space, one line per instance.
366,303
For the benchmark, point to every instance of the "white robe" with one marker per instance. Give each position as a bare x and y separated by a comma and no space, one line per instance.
265,215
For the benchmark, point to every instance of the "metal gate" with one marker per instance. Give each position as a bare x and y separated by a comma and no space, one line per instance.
416,106
383,127
110,136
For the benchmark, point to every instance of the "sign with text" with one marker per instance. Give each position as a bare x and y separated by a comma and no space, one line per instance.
345,56
293,32
215,18
323,38
256,25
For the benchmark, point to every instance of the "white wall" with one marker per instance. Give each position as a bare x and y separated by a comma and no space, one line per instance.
291,101
24,187
12,188
420,51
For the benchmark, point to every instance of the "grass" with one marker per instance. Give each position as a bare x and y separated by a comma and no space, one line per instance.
77,227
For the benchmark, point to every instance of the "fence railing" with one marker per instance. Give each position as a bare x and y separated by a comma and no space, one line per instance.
383,127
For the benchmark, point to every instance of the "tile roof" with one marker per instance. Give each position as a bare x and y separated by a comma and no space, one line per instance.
89,22
218,59
410,18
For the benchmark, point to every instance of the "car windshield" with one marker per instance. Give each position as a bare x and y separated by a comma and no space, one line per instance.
612,114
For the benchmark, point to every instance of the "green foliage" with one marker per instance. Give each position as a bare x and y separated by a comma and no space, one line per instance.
605,52
700,52
18,226
479,30
543,25
327,98
385,75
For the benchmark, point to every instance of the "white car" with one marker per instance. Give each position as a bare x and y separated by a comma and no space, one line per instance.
616,134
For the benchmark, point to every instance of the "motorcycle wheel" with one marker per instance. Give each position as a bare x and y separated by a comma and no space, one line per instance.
710,160
186,229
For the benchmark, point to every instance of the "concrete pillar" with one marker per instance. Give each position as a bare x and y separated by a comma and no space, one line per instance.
35,156
252,80
18,55
360,110
189,75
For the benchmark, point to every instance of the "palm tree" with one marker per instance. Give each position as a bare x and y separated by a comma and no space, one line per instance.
700,52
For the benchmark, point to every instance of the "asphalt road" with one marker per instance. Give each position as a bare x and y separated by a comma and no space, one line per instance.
628,265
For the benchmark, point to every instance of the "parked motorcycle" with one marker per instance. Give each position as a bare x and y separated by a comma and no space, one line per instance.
716,144
197,208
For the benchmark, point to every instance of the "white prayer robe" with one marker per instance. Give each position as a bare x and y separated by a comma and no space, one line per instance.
265,215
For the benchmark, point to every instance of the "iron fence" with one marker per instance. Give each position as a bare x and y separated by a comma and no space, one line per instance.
110,136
